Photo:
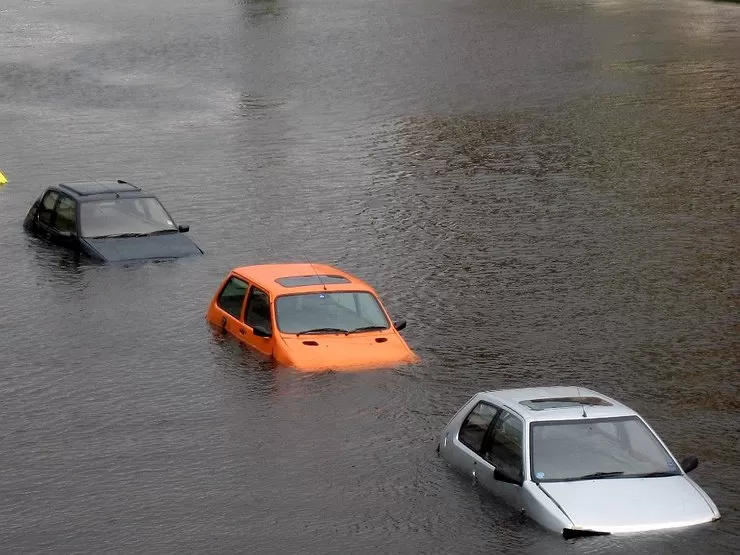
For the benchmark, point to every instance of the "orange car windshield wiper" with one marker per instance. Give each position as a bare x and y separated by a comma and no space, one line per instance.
322,330
367,328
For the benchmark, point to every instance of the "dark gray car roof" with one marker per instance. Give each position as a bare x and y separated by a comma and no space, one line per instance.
86,189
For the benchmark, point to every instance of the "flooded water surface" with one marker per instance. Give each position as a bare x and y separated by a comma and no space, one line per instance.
547,191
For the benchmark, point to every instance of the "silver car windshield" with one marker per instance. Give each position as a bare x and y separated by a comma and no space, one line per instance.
593,449
124,216
329,312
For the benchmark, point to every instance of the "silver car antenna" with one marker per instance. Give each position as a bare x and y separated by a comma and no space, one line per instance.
583,406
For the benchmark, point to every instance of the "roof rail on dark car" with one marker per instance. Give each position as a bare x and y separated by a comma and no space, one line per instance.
87,188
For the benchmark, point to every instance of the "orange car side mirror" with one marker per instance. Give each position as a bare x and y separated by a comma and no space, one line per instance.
259,331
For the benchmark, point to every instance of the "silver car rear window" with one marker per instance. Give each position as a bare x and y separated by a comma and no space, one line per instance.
564,402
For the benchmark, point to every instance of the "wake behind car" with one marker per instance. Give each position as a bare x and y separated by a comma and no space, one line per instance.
309,317
578,462
109,221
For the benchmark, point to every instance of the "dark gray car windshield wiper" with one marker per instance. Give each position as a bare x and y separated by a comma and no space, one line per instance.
117,235
366,328
162,231
321,330
134,234
594,476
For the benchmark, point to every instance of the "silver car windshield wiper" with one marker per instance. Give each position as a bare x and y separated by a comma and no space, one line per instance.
366,328
595,476
656,474
321,330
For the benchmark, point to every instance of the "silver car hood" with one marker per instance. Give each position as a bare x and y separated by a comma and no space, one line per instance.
625,505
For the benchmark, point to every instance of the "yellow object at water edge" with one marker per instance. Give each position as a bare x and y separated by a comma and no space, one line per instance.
3,181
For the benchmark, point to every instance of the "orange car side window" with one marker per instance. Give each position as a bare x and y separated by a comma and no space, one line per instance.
258,310
232,297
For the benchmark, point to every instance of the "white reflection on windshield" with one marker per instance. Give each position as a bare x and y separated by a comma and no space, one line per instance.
341,310
618,447
139,215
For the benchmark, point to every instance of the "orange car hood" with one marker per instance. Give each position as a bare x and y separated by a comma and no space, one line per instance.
347,352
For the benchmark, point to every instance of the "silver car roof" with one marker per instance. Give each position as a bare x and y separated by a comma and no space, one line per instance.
516,400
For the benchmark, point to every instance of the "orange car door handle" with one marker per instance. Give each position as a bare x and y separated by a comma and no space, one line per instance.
242,330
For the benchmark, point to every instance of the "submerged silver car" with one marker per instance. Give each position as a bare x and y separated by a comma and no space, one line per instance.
577,462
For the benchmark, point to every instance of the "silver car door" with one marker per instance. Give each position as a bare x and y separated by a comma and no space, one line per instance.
464,452
503,450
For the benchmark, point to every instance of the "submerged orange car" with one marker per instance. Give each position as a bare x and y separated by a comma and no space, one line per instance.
310,317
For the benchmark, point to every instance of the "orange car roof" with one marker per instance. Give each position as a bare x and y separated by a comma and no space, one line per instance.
266,276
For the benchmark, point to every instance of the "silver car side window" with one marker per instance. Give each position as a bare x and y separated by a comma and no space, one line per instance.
504,447
474,427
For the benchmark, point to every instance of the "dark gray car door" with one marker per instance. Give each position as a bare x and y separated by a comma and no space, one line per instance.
45,214
64,222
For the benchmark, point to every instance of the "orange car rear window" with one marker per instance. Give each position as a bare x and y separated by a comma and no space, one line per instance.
315,279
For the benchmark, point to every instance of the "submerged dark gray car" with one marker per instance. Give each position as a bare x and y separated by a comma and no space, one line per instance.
108,221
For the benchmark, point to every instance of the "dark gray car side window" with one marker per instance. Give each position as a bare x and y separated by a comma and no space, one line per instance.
504,447
66,215
474,428
258,310
232,296
46,208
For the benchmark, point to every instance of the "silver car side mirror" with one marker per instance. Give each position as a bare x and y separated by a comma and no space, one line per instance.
689,463
503,476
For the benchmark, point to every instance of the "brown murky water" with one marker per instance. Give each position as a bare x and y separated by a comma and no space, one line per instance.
548,193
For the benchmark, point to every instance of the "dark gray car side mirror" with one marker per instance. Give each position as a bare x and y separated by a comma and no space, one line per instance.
689,463
399,325
183,228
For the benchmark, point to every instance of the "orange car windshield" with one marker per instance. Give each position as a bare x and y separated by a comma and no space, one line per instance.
345,311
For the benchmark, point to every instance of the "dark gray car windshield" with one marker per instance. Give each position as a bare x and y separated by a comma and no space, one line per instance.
123,216
593,449
340,311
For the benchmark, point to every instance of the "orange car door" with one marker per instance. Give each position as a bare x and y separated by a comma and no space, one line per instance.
230,305
258,321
